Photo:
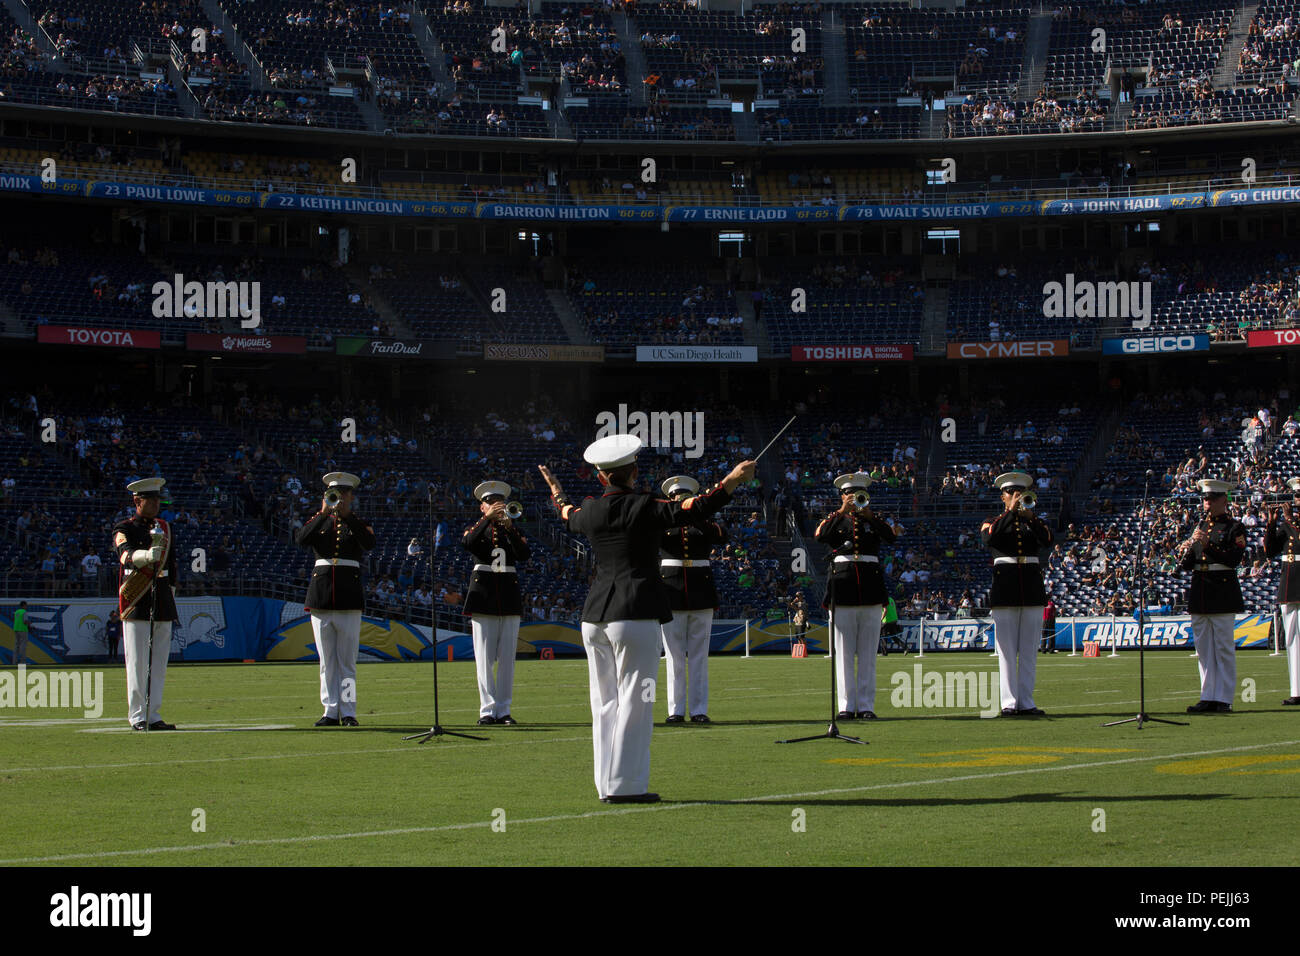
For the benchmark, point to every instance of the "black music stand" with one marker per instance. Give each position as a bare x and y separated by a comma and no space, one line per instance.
437,730
1141,579
833,730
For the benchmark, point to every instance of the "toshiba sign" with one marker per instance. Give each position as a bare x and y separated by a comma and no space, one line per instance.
80,335
851,353
1273,338
995,350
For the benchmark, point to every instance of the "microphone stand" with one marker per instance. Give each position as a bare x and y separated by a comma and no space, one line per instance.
1142,717
437,730
832,731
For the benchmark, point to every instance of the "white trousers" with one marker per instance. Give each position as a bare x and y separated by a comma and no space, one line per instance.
857,634
496,636
1291,633
622,664
1017,632
338,638
135,644
1216,656
686,637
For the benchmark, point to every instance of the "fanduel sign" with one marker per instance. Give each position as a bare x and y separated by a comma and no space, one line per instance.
1159,343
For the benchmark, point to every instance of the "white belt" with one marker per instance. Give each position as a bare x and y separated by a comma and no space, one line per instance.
684,563
340,562
1015,560
856,558
1290,557
1218,567
162,574
508,569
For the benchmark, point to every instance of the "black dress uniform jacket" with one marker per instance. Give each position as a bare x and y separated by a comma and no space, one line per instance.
1217,592
1281,537
625,528
135,537
1016,534
691,589
333,587
855,583
494,592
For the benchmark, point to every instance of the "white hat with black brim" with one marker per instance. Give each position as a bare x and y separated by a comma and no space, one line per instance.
854,481
680,483
341,479
1013,481
147,487
1213,487
613,451
487,488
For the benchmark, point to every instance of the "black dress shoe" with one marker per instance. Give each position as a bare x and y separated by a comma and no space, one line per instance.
161,725
1201,707
1010,712
139,726
327,722
1031,712
348,722
507,720
846,715
1291,702
866,715
1221,708
631,798
700,719
484,721
675,719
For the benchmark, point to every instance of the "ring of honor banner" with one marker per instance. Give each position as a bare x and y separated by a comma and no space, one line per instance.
265,629
551,212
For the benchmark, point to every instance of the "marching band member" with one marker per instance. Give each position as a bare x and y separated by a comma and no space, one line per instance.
146,556
1280,538
856,591
626,605
335,599
493,602
1018,597
1214,599
693,598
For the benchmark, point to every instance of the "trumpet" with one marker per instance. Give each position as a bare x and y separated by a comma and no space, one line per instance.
514,510
861,500
332,498
1029,500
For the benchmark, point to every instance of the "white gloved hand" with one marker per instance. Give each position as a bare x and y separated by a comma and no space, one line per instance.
156,554
140,558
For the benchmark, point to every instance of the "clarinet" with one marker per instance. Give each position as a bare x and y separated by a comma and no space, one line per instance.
1201,525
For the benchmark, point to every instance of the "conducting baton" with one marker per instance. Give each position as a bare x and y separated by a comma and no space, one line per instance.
775,437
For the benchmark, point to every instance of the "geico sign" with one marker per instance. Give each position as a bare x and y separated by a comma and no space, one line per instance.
1165,343
985,350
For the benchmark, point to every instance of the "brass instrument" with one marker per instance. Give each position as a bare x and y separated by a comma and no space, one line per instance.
861,500
136,582
514,510
1029,500
332,498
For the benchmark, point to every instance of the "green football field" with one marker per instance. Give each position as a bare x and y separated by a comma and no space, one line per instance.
935,786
